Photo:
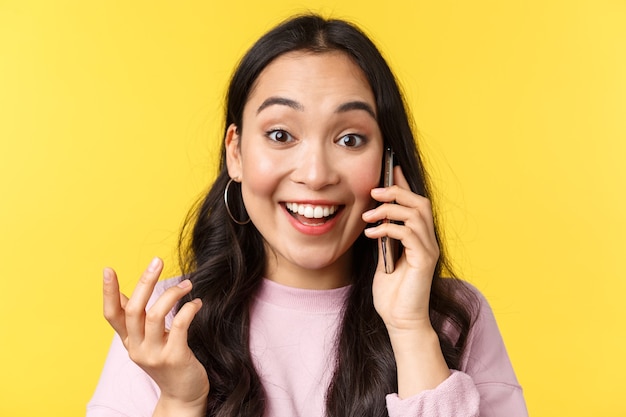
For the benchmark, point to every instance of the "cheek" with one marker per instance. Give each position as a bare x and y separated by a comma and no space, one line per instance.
260,176
363,178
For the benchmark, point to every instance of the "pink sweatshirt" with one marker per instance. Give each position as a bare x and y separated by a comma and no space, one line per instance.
292,334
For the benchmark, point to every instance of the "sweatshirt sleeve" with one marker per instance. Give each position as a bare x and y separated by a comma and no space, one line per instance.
457,396
124,389
485,386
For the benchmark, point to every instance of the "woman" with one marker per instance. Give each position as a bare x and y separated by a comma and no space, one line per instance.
284,308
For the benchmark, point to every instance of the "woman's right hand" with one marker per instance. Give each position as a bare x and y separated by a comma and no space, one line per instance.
163,354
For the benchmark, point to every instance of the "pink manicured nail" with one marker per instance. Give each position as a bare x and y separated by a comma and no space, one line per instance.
154,264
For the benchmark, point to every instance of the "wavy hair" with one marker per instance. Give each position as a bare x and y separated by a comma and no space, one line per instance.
226,261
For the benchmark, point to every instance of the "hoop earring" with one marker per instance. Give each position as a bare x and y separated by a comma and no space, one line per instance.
228,208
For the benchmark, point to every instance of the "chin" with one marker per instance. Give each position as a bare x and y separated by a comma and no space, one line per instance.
317,262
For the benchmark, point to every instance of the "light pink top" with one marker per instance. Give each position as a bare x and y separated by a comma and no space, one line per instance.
292,334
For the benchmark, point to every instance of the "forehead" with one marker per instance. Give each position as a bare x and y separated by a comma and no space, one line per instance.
308,75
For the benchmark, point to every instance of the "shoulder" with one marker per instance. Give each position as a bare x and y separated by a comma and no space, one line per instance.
483,321
485,357
464,295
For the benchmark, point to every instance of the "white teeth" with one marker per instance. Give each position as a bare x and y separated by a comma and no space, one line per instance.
310,211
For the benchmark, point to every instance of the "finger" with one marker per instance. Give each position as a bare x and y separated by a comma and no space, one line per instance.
113,302
420,220
390,252
399,179
136,306
180,325
123,300
409,238
400,192
394,231
419,252
399,195
155,316
404,196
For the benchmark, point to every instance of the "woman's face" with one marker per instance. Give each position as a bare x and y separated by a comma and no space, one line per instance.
307,156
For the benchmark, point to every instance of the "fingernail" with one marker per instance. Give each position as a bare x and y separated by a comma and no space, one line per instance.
154,264
368,213
106,275
184,284
377,191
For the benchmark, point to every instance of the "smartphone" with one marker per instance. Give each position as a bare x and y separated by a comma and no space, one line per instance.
387,244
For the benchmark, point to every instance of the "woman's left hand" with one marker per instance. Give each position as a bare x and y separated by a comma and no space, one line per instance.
402,297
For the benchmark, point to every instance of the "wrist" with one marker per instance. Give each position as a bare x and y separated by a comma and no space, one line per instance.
420,362
411,331
168,406
411,343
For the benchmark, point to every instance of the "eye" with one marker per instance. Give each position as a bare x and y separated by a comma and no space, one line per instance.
351,140
279,136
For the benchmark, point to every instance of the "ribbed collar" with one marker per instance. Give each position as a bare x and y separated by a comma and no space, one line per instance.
312,301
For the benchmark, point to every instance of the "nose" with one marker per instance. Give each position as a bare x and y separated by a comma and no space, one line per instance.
316,167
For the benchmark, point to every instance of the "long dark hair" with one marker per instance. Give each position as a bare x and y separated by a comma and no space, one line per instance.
226,261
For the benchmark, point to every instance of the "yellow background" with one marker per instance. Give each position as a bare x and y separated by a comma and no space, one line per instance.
110,114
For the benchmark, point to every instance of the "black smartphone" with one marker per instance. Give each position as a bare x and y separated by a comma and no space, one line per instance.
387,244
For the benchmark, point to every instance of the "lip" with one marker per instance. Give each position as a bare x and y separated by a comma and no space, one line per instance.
313,230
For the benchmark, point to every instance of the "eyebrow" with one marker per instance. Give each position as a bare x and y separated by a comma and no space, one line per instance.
356,105
280,101
345,107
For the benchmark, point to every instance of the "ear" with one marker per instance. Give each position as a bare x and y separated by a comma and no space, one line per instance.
232,143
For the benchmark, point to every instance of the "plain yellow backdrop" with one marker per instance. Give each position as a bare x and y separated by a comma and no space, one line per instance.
110,116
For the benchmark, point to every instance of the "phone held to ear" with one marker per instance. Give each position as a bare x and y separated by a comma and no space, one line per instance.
387,244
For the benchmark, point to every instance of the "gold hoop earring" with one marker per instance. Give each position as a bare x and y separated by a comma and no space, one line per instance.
228,208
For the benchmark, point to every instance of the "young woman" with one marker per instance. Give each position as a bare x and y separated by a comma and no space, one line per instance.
285,308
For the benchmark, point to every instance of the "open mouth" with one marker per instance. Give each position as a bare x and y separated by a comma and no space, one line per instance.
312,215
